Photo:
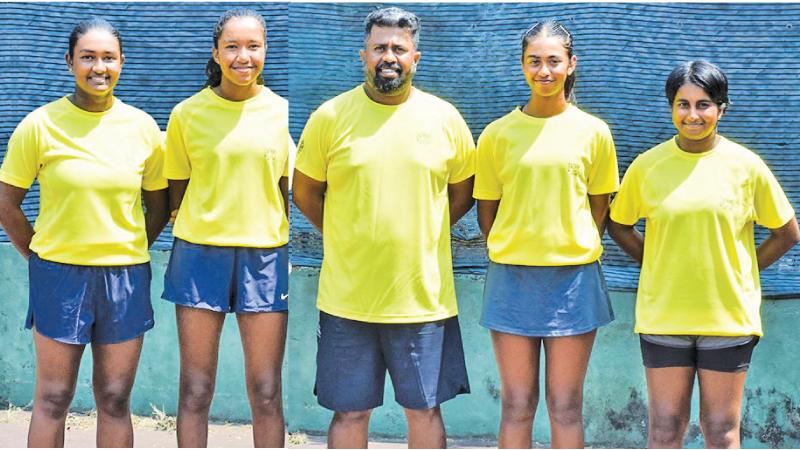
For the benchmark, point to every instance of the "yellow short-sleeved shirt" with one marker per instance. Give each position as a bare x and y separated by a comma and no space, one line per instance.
92,167
700,273
543,169
234,154
387,228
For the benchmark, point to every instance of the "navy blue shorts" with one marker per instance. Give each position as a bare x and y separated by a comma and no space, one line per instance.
425,361
82,304
545,301
228,279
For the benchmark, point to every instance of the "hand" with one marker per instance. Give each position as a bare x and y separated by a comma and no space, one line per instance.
173,215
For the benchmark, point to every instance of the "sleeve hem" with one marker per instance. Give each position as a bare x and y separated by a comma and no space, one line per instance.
15,181
315,176
483,194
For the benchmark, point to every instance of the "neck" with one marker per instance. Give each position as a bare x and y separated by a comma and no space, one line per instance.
92,103
698,146
234,93
550,106
379,97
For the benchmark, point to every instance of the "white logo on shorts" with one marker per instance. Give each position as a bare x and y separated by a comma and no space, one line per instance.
284,297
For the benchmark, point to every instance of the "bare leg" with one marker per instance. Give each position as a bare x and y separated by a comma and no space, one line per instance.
57,367
518,362
566,361
112,378
721,407
349,429
425,428
263,339
198,337
669,392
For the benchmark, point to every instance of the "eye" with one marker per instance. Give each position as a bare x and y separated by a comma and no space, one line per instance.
87,57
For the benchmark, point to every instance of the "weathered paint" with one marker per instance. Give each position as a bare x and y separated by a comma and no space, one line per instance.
616,396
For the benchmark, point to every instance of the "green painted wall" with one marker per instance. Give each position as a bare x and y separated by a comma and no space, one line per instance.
615,407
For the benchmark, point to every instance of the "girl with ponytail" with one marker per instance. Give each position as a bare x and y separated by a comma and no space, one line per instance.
543,179
227,165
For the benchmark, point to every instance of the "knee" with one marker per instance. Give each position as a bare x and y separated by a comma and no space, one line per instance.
112,400
667,430
566,410
352,417
720,432
519,406
196,394
265,397
54,400
423,415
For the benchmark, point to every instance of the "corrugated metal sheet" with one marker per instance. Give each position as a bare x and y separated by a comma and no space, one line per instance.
470,56
166,47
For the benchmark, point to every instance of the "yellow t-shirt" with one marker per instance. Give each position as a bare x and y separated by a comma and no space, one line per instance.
700,273
387,223
92,167
234,154
542,170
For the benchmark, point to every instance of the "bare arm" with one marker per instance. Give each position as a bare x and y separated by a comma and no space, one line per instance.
599,206
177,188
309,196
156,213
460,196
487,212
628,238
283,185
13,220
779,241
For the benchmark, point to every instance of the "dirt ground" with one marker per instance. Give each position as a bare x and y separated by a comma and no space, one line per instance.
159,431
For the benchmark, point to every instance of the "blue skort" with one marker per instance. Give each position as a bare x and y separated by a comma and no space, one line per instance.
545,301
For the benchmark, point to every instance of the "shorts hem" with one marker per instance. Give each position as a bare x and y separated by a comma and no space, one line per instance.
256,311
191,304
329,406
548,333
65,340
463,389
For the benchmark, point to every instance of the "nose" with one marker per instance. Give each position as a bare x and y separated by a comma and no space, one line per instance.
544,70
99,66
242,55
693,113
389,56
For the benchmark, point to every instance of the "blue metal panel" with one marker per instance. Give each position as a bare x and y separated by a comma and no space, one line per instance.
166,47
470,56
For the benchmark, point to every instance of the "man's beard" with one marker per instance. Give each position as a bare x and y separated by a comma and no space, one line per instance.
390,85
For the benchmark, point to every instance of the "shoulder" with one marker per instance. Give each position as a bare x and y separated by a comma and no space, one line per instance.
497,126
651,158
331,108
135,114
431,102
590,121
274,99
197,102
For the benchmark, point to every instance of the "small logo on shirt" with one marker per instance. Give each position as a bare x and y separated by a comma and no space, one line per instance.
423,137
574,169
301,146
271,153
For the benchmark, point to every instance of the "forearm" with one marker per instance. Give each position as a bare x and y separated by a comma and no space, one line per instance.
598,204
177,189
628,238
309,196
156,213
459,207
487,213
283,185
311,207
779,242
17,228
460,198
